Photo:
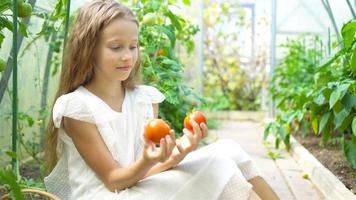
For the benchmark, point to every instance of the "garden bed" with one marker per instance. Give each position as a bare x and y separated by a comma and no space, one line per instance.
332,158
31,176
329,183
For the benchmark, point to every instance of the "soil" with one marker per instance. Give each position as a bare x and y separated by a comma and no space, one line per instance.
331,157
30,170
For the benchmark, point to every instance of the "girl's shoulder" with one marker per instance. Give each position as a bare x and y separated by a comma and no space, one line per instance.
147,94
75,105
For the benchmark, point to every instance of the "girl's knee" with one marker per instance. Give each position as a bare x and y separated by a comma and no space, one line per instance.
231,149
228,143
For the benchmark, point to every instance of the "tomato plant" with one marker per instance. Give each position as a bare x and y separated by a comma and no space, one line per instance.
156,129
318,95
161,28
197,116
2,64
24,9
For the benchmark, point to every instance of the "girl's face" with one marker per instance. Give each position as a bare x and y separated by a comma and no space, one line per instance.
117,50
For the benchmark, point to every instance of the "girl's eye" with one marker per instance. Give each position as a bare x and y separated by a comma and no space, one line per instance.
133,48
115,48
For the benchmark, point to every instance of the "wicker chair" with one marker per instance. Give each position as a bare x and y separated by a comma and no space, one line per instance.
33,193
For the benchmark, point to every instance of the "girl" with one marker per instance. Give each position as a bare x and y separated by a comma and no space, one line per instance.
95,147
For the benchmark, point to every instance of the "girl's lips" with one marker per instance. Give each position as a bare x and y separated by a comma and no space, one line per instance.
124,68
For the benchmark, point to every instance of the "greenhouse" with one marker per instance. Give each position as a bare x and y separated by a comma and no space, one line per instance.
178,99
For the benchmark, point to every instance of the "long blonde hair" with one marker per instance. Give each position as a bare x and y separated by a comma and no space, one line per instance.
78,65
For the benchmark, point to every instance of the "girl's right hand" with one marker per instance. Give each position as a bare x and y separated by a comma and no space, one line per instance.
153,154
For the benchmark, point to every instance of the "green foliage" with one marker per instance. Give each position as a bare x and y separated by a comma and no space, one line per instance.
305,176
6,13
52,31
272,153
310,92
8,179
232,84
161,29
9,182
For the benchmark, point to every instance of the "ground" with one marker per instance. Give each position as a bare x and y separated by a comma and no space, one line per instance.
284,174
332,158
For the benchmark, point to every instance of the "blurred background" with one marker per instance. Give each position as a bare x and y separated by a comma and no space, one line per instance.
272,57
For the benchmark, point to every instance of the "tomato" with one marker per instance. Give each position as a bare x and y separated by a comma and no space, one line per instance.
197,116
152,19
2,64
161,52
307,117
24,10
156,129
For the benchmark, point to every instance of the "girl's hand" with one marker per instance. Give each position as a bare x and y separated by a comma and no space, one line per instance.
199,132
188,142
153,154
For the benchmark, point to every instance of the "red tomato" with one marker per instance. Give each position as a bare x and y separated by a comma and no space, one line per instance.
156,129
161,52
197,116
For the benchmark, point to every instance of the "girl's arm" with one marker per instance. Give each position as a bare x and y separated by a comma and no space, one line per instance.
160,167
93,150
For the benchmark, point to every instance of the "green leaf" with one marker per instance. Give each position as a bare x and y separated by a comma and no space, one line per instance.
353,59
186,2
338,107
354,126
30,121
277,142
282,132
346,123
287,142
174,19
343,89
9,178
323,122
168,61
154,5
4,22
279,100
11,154
349,147
23,29
325,136
334,97
5,5
340,117
267,131
320,99
349,101
315,125
2,37
167,31
348,33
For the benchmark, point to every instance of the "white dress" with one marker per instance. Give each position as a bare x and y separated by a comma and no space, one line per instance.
203,174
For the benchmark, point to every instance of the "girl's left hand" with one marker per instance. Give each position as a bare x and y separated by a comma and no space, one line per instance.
188,142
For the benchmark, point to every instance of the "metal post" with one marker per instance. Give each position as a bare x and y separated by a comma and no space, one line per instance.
14,161
67,24
351,9
201,49
273,49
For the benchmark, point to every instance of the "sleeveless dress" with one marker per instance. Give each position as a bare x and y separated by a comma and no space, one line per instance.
202,175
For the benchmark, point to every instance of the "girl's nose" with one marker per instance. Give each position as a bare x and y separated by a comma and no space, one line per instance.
126,55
